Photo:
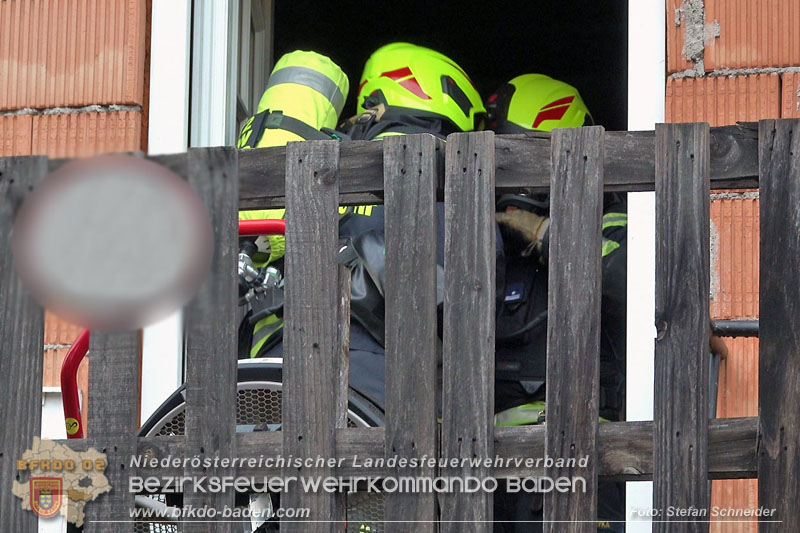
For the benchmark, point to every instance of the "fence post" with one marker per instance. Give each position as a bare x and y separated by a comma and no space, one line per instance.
113,422
211,332
411,338
680,453
311,340
779,311
21,348
469,316
573,326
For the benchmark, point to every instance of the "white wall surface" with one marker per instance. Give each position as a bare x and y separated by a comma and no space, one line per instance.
168,133
646,95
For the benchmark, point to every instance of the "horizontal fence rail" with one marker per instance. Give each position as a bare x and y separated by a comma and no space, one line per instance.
680,450
522,163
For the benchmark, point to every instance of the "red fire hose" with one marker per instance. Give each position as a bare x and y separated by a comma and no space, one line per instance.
79,349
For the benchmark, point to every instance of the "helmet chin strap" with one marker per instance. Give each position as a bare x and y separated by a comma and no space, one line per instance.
382,119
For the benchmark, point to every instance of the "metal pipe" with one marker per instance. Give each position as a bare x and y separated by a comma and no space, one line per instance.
69,385
79,349
252,228
735,328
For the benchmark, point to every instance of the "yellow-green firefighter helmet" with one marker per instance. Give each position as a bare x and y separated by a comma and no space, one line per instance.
536,102
421,83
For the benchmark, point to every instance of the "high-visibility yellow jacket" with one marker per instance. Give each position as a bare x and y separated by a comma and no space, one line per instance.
305,93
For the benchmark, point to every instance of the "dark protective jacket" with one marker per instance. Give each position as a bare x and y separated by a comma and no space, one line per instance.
521,359
366,234
521,331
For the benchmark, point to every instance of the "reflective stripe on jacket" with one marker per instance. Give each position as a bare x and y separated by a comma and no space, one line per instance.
304,86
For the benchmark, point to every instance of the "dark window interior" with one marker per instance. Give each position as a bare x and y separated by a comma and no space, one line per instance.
582,42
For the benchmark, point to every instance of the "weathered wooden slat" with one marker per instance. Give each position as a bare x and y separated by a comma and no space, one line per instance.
573,331
469,315
342,364
22,334
625,450
682,307
262,174
211,330
343,355
113,423
311,337
410,176
779,310
523,162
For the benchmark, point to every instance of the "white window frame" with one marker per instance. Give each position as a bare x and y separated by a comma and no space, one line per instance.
168,133
191,105
255,55
215,46
646,108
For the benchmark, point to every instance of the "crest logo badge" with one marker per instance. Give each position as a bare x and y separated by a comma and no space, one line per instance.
46,497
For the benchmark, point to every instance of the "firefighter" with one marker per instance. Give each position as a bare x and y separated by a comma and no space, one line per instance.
538,102
303,100
404,89
407,89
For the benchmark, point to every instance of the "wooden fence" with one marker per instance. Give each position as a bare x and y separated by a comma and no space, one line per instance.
680,451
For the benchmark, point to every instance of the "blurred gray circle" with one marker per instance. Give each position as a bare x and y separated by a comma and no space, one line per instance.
112,243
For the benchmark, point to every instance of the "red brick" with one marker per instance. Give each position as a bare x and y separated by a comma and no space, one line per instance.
676,61
734,494
723,100
735,261
790,96
85,134
736,267
15,135
754,34
59,331
71,53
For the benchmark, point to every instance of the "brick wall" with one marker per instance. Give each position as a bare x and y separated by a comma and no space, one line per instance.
729,61
72,84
